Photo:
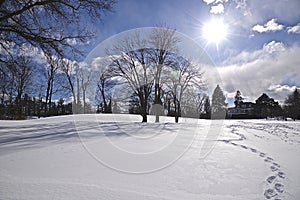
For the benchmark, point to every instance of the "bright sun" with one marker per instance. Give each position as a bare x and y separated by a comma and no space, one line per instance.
214,31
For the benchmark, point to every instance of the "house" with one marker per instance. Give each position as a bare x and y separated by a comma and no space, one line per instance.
242,110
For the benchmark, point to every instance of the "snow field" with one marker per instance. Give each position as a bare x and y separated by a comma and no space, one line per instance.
117,157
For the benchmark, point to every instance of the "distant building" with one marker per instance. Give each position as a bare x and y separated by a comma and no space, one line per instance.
244,110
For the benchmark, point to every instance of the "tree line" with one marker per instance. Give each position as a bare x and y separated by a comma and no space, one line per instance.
264,106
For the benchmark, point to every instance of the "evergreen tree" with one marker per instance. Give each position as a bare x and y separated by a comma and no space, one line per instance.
292,105
238,99
207,109
61,107
267,107
218,110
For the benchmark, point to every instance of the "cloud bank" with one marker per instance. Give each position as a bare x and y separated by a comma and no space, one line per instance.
273,69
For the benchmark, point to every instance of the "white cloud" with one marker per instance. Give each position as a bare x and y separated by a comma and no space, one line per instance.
274,70
218,9
294,29
271,25
240,5
221,1
273,46
209,1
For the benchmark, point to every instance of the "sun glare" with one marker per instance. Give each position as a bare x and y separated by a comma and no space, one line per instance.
214,31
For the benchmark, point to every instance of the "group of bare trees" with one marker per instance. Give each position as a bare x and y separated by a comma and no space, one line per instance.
154,74
26,81
16,80
37,41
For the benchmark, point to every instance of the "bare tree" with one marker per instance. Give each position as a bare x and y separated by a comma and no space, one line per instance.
164,44
84,75
6,86
105,85
50,74
193,102
5,81
68,81
130,61
52,26
182,76
21,74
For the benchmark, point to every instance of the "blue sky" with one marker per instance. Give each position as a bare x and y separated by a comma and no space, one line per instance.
259,54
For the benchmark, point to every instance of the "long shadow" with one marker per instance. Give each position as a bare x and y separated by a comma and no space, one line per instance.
42,134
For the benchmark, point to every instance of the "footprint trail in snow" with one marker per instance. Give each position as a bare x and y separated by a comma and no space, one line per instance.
274,189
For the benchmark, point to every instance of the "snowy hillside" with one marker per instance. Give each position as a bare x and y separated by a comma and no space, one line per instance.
117,157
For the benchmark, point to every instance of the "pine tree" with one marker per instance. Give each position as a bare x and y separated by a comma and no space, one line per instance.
292,107
267,107
218,110
207,109
61,107
238,99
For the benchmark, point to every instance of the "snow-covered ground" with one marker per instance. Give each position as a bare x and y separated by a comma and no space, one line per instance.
116,157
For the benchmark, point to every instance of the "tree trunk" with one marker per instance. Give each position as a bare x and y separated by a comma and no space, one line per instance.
50,96
46,110
156,118
103,96
144,117
83,97
75,109
143,109
157,100
176,118
177,112
78,96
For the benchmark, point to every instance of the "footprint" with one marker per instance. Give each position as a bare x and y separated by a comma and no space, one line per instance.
243,146
253,150
269,193
279,187
270,179
268,159
262,154
281,174
276,164
273,168
234,144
